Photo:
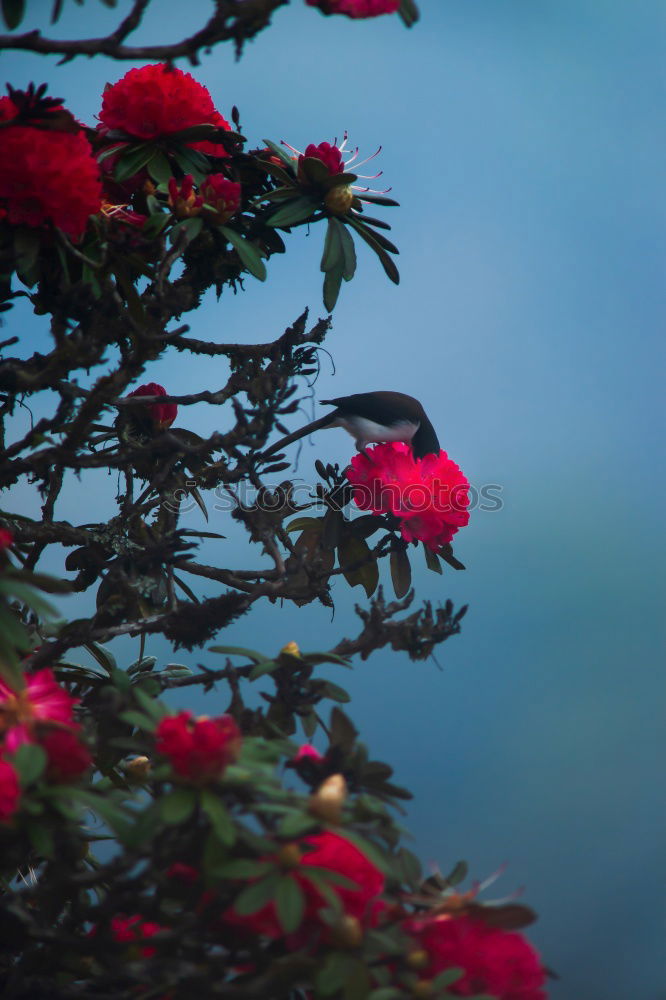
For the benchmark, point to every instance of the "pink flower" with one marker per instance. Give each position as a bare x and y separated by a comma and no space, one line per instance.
501,963
429,494
222,195
160,416
307,752
356,8
198,749
42,700
6,539
153,102
10,792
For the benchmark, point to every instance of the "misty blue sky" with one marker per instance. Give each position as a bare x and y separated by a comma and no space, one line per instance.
526,145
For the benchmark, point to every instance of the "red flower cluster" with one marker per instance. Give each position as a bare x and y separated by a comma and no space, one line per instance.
6,539
46,176
132,930
356,8
160,415
500,963
330,156
198,749
429,495
155,101
222,195
332,852
40,713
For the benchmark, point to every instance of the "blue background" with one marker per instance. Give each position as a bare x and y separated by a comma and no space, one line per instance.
525,143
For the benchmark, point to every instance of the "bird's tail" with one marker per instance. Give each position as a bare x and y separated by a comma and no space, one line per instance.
290,438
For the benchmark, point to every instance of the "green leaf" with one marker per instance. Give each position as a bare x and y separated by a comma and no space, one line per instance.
159,168
41,839
280,152
178,805
251,654
191,228
254,897
191,161
296,825
384,259
333,256
332,286
355,552
220,820
132,160
13,12
104,657
249,254
267,667
349,251
316,172
30,762
289,904
447,978
333,974
446,553
377,199
150,705
386,993
300,523
456,876
294,211
401,571
335,693
409,13
410,867
244,868
432,561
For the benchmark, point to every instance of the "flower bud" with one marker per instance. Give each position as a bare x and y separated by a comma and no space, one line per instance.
422,990
289,855
418,959
347,932
292,649
339,199
328,800
138,769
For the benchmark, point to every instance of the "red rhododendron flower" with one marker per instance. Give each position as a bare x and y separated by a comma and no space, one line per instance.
131,930
429,495
331,851
330,156
155,101
42,700
183,201
356,8
46,176
198,749
500,963
6,539
10,792
222,195
67,757
160,415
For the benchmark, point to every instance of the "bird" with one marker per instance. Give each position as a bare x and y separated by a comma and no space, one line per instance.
373,417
